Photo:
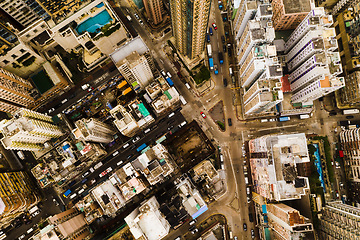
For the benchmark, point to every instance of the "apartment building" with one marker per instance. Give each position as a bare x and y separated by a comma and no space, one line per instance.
339,221
286,223
189,24
312,58
350,144
16,196
147,222
274,162
124,121
154,10
347,30
28,130
245,12
93,130
288,14
15,92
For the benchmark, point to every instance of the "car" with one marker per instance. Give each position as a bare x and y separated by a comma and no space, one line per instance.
248,190
115,153
272,120
91,169
229,122
106,171
208,38
210,31
147,130
21,237
350,117
332,113
84,180
224,48
169,75
85,86
64,101
171,114
178,238
51,110
224,18
134,140
248,199
252,233
167,30
222,39
193,229
141,22
171,127
85,174
119,163
203,114
214,26
56,202
99,164
136,16
225,82
163,73
92,181
229,51
220,6
192,222
73,196
30,230
245,227
126,145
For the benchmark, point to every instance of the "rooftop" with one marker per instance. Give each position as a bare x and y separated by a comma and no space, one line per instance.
296,6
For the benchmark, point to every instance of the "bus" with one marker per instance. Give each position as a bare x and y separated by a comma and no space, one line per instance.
351,111
143,146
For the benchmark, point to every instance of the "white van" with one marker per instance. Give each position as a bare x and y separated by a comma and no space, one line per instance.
171,114
183,101
147,130
187,85
230,71
246,180
126,145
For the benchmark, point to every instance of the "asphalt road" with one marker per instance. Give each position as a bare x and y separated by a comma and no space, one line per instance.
125,155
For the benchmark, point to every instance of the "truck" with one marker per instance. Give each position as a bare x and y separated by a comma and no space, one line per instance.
209,50
284,119
216,71
221,58
211,64
170,82
351,111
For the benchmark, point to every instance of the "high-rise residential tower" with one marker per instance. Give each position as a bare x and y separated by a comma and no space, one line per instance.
154,9
312,58
16,196
288,14
28,130
14,92
93,130
189,23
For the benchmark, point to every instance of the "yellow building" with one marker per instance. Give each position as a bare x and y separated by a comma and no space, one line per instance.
16,195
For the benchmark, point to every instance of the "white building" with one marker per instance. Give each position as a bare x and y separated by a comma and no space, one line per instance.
312,58
93,130
274,162
147,222
124,121
28,130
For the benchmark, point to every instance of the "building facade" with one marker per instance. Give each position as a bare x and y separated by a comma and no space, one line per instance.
154,10
350,94
189,24
93,130
28,130
350,140
16,196
286,223
339,221
14,92
312,59
288,14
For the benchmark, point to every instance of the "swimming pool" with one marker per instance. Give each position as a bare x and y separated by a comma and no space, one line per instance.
93,24
318,165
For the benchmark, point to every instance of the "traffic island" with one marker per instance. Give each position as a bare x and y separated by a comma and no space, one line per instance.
217,115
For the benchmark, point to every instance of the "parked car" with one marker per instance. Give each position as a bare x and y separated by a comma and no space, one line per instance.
252,233
203,114
245,227
225,82
229,122
109,169
214,26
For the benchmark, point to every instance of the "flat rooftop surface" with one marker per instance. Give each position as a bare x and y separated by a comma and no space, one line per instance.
297,6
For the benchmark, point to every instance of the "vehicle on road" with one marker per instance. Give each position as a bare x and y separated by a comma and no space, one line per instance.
224,48
284,119
187,86
211,64
169,75
167,30
222,39
216,71
169,81
208,38
147,131
106,171
209,51
85,86
128,17
142,147
51,110
192,222
163,73
21,237
85,174
182,99
214,26
229,122
230,71
350,117
193,229
56,202
64,101
272,120
210,31
351,111
221,6
245,227
136,16
171,114
225,82
221,58
119,163
135,139
99,164
73,196
304,116
252,233
178,238
115,153
203,114
141,22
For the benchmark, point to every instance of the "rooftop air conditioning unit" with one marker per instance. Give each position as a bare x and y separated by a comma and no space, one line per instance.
275,59
269,24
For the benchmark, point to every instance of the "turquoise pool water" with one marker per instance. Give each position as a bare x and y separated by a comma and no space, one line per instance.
318,165
93,24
